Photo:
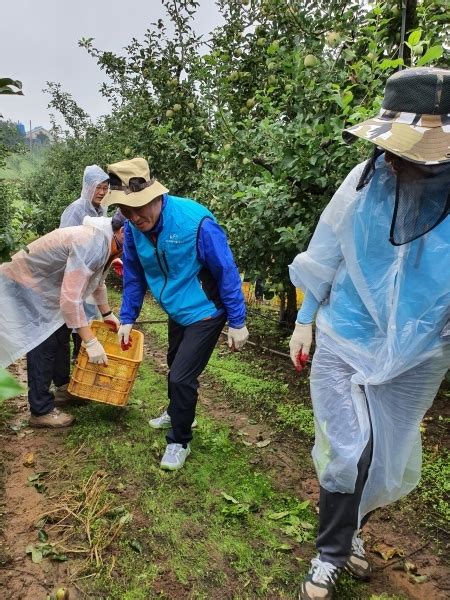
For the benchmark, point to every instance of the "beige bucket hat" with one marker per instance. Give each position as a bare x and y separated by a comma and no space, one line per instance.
414,121
131,184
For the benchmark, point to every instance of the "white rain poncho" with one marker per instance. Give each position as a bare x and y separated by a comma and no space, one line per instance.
382,328
75,212
83,207
44,285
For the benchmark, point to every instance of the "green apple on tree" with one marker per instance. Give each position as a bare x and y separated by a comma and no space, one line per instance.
310,61
276,44
333,38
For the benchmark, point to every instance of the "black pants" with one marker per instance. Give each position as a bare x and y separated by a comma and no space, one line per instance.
50,361
76,340
338,515
189,351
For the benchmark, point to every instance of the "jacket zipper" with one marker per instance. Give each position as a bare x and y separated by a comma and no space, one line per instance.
163,271
165,261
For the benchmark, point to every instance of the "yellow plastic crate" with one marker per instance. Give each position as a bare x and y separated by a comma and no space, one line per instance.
246,290
111,384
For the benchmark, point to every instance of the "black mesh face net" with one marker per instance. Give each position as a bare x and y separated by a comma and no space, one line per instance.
422,201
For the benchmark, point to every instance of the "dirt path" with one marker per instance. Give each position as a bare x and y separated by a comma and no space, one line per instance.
23,505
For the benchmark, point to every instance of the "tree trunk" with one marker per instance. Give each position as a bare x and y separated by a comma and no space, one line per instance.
290,312
410,24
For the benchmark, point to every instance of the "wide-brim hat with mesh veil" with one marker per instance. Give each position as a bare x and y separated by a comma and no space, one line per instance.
414,121
131,184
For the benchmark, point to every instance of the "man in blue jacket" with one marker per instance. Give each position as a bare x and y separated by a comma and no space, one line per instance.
174,247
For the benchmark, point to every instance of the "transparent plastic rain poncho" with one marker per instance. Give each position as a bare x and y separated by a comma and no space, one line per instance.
44,285
382,329
75,212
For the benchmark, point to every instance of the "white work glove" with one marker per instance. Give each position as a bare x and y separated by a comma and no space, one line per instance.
113,321
237,338
300,344
96,352
124,336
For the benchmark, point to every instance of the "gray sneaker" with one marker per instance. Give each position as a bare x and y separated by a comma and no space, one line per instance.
164,422
174,457
320,581
357,564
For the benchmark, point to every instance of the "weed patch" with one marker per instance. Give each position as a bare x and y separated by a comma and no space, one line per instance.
218,501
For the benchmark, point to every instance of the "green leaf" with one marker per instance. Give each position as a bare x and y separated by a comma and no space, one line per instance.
414,37
59,557
391,64
433,53
9,387
136,545
125,518
347,97
10,86
6,81
283,548
36,555
304,505
278,516
229,498
42,535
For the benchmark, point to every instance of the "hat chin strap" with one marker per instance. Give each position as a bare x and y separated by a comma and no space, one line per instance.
133,187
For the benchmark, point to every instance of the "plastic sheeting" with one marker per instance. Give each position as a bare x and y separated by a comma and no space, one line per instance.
380,331
45,284
75,212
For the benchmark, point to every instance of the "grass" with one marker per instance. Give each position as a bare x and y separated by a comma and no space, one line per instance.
217,528
434,487
19,166
209,526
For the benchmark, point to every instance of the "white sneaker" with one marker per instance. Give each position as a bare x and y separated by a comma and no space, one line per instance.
174,457
164,422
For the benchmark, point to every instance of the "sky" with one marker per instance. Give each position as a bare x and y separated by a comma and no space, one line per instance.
39,43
